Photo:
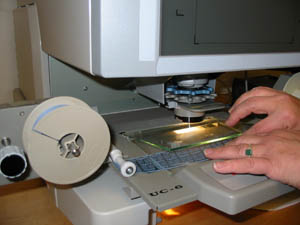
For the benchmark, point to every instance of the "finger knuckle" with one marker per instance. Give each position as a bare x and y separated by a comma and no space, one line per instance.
270,171
241,149
251,164
259,90
288,118
251,104
286,99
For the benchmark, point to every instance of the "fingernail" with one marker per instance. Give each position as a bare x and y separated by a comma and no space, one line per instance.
229,110
219,165
208,152
228,123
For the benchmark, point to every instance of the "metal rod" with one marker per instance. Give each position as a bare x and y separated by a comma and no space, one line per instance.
152,217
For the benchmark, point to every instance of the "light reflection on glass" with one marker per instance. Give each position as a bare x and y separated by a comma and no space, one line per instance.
188,130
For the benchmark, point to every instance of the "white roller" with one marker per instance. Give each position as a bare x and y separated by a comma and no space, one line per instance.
65,140
127,168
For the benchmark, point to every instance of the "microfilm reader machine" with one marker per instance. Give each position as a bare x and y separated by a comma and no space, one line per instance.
140,75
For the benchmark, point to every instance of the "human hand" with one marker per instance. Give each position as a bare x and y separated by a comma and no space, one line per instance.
277,155
283,110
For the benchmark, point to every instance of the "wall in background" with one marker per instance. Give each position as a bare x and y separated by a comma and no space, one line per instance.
8,64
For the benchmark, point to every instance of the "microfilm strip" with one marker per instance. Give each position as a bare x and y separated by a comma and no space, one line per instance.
166,160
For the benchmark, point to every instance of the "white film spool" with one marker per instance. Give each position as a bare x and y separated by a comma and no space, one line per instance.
57,124
292,86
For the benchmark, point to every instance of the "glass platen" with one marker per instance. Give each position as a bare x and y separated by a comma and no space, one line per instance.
184,135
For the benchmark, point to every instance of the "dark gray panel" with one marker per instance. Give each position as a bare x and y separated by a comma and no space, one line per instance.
231,26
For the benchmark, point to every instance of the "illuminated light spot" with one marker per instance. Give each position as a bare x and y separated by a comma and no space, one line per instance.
188,130
216,124
171,212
